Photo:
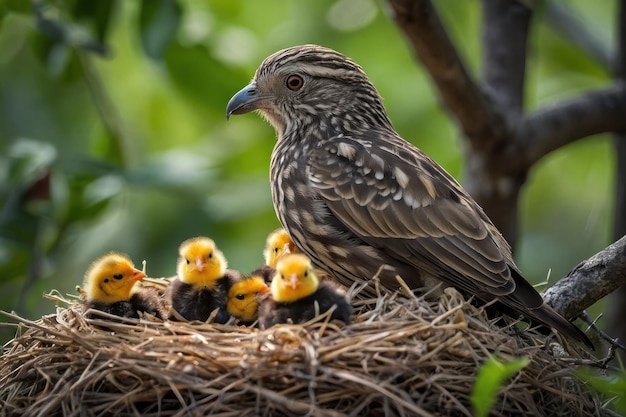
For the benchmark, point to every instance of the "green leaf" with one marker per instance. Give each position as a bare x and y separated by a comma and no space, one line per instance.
202,78
612,386
491,376
15,6
159,21
98,13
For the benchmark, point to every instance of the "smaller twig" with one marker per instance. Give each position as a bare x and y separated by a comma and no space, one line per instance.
592,325
597,363
563,19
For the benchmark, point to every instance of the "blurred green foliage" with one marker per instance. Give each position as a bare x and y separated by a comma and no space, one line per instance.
490,379
612,385
113,133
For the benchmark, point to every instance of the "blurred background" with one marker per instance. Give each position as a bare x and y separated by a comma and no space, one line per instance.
113,133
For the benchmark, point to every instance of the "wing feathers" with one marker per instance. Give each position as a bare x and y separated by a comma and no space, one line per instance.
388,193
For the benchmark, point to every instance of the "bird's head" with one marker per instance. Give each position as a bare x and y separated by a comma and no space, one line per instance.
111,278
311,84
295,278
277,245
200,263
244,298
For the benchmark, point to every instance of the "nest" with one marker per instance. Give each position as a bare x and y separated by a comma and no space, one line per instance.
402,355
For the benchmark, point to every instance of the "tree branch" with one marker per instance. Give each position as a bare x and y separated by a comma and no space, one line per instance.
616,303
550,128
459,92
568,23
589,281
504,34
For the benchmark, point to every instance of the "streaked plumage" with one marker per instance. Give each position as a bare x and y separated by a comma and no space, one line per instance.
110,286
298,296
244,298
354,195
202,282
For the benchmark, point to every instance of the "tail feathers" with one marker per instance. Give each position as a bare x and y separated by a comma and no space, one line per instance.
548,317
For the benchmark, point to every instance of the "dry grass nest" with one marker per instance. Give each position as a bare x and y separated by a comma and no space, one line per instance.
402,355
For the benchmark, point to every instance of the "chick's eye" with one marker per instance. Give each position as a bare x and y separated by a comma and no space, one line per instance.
275,250
118,276
294,82
210,255
188,262
240,296
282,276
306,274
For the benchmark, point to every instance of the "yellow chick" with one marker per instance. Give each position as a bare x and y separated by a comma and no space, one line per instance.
244,298
202,281
109,286
298,295
277,245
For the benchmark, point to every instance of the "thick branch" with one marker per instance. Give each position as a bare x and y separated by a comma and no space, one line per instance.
459,92
616,304
569,24
552,127
504,34
589,281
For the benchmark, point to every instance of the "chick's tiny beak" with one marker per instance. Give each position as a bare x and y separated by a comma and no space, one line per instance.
199,264
244,101
294,281
138,275
264,290
286,249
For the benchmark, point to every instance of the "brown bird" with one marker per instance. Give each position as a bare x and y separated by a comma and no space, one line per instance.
355,196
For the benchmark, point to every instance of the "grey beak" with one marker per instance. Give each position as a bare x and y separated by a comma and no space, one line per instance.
244,101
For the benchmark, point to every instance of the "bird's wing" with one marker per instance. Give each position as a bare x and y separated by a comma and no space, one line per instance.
395,198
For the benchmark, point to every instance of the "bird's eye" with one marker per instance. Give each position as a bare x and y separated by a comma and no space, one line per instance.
306,274
210,255
240,296
294,82
188,262
275,250
118,276
282,276
106,280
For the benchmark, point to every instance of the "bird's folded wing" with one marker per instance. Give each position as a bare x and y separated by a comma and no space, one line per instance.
396,198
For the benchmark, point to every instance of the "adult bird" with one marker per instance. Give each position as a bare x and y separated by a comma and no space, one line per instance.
359,199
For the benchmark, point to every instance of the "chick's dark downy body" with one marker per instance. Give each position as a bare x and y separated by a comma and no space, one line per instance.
146,300
297,295
355,196
195,303
111,285
300,311
202,281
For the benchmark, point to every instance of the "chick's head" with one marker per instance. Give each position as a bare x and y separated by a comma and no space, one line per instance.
111,278
295,278
277,245
200,263
244,298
